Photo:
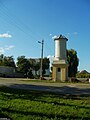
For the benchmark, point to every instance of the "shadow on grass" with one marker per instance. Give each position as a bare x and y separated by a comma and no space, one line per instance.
66,90
25,91
4,117
32,92
37,93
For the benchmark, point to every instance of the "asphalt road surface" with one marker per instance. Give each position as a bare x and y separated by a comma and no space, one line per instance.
62,88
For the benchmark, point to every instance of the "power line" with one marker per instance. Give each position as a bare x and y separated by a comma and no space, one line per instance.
16,20
13,20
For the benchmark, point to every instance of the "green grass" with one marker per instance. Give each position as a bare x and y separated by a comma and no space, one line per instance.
38,80
36,105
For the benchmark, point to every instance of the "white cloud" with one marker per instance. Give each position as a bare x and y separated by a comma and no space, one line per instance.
75,33
54,37
5,35
68,34
51,58
50,34
9,47
2,51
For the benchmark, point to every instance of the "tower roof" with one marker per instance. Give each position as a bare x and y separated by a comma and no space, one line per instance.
61,37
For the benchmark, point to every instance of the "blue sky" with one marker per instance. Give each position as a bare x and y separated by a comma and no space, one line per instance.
25,22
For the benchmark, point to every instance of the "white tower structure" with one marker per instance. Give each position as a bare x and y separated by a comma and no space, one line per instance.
60,65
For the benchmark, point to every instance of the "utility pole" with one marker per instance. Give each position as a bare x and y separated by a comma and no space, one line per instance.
41,66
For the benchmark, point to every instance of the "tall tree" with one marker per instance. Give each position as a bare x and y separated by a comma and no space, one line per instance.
23,66
35,65
7,61
45,66
1,60
73,62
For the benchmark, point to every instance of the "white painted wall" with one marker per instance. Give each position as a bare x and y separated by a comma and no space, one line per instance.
57,49
60,49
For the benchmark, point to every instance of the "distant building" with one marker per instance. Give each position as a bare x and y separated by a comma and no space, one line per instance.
38,72
6,71
83,72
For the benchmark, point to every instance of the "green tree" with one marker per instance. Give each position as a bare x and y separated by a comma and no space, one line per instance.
23,66
73,62
35,65
45,66
1,60
7,61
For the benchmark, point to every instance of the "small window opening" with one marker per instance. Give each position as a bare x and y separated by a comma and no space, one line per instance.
59,70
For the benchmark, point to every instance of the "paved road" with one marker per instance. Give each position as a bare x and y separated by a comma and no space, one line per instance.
62,88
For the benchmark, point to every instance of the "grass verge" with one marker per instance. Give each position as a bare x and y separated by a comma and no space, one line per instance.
36,105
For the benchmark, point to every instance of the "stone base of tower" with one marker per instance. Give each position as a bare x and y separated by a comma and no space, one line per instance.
60,71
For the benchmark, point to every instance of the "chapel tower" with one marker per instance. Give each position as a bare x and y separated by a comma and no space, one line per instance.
60,65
